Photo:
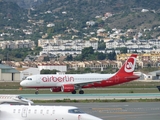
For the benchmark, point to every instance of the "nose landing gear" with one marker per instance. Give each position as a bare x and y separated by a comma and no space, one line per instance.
36,92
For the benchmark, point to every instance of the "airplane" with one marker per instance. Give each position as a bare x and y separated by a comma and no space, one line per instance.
26,112
13,99
73,82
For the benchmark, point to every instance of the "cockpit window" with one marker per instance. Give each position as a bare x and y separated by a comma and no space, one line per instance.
29,78
76,111
19,97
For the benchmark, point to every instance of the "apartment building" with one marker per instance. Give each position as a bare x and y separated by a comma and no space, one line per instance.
17,44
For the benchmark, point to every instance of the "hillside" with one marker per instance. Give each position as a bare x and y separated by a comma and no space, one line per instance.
125,14
11,15
26,3
68,14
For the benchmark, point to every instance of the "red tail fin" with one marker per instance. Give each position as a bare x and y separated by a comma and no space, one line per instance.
129,66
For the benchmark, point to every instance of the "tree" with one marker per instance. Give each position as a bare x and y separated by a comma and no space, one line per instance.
69,58
101,56
112,55
101,45
87,51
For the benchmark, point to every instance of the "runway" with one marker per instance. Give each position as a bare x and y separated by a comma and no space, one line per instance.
120,111
92,96
109,110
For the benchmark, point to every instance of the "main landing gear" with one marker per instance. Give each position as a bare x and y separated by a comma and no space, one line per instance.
80,92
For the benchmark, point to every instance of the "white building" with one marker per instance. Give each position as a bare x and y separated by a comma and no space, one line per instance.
61,68
28,72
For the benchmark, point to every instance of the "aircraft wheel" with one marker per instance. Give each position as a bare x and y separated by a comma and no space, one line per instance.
74,92
36,92
81,92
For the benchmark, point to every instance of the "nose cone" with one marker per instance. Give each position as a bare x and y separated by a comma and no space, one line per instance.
89,117
23,83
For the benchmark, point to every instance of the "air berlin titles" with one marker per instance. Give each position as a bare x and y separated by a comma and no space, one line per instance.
58,79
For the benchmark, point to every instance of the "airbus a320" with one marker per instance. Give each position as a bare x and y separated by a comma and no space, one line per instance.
73,82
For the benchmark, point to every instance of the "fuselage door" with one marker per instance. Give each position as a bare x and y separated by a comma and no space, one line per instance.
38,79
24,112
79,117
116,79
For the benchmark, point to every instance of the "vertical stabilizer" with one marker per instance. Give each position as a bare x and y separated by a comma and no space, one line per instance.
129,66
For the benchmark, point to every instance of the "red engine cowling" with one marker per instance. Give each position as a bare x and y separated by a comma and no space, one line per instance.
55,89
67,88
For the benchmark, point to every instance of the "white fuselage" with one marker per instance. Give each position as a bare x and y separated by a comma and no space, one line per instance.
22,112
9,98
52,80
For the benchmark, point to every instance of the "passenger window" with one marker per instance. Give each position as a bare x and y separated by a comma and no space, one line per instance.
47,112
41,112
53,111
35,111
14,111
29,111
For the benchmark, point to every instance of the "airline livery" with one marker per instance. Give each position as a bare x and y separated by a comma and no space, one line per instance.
73,82
14,99
25,112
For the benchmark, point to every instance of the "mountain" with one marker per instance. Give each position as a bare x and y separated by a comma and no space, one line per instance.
11,15
70,16
26,3
126,13
98,6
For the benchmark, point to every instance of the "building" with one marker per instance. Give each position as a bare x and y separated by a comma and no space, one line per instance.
8,73
25,72
61,68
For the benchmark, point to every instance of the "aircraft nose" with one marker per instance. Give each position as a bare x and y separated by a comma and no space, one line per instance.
22,83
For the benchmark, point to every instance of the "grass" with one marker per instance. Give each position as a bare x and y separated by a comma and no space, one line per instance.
87,91
96,100
131,87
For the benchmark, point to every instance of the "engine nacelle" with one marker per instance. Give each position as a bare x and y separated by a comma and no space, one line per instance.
55,89
67,88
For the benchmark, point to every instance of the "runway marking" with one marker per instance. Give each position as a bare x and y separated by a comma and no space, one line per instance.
106,108
123,112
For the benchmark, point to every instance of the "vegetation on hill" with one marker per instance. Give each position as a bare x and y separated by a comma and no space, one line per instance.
70,17
67,14
11,15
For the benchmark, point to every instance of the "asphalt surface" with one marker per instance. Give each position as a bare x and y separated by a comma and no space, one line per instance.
120,111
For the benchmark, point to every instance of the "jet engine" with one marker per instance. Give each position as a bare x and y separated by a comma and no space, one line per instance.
67,88
55,89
